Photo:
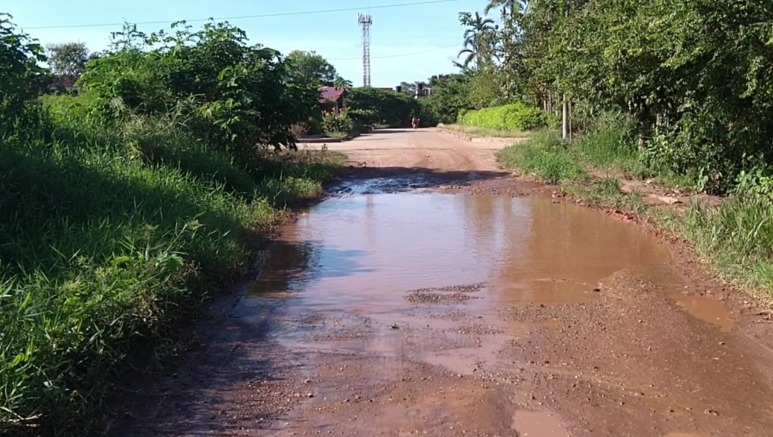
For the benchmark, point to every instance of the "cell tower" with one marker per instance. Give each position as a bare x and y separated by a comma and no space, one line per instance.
365,21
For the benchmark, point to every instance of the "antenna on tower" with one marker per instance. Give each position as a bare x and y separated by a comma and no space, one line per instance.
365,21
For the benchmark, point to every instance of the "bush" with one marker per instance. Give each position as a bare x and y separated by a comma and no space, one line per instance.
391,108
335,124
364,117
513,117
233,96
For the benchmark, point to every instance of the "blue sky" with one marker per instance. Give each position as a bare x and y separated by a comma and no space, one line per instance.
408,43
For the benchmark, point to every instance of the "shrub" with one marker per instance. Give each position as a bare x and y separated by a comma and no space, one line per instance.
337,123
513,117
391,108
364,117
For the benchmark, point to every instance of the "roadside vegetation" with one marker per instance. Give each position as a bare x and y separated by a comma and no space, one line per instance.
736,236
123,206
656,91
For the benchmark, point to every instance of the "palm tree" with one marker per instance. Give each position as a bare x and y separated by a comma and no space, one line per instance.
342,84
508,5
476,38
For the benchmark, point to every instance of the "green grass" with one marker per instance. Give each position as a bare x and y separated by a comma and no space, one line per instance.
545,156
610,146
737,237
109,237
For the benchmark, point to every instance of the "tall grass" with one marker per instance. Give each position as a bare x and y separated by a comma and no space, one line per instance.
545,156
610,145
109,235
737,237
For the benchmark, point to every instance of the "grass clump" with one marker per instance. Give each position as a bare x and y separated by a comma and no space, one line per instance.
545,156
737,236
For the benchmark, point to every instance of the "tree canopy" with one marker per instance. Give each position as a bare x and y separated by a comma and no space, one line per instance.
67,58
312,68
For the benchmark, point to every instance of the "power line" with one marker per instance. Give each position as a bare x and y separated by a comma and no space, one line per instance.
243,17
399,55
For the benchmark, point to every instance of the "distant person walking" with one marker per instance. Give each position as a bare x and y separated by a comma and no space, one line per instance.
415,122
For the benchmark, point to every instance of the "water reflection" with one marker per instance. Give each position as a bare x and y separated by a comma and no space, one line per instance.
368,250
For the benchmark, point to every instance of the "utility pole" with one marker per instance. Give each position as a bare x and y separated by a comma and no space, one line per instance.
565,124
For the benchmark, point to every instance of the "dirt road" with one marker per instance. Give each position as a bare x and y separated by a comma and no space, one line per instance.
420,149
432,294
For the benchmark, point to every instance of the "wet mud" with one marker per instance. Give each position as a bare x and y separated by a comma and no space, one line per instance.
444,306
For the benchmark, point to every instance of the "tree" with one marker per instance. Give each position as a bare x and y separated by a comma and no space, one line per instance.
342,84
311,67
449,96
68,59
394,109
21,78
231,95
478,39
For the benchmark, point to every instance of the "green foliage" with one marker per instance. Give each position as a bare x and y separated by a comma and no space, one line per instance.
757,183
689,73
221,87
21,79
449,97
338,123
312,68
68,58
393,109
738,237
611,144
516,116
364,117
122,208
545,156
110,235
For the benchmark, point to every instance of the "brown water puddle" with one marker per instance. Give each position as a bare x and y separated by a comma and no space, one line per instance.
370,251
394,266
538,424
707,309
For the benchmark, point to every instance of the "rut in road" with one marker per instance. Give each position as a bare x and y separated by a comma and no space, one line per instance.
393,308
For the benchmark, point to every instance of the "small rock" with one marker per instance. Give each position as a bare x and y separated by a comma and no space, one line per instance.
712,412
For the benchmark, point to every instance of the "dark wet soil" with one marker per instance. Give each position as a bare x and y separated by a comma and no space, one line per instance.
449,305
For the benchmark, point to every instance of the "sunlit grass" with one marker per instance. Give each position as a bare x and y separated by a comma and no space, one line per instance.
108,237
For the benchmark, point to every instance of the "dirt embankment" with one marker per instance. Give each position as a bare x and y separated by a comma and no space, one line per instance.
580,327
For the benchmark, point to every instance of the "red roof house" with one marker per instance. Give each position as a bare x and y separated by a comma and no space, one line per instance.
331,98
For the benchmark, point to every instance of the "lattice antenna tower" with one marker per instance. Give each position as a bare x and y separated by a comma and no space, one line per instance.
365,21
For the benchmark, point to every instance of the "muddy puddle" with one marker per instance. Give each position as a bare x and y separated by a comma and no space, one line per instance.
391,273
